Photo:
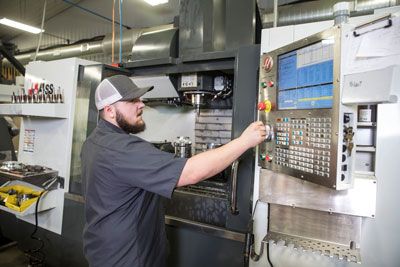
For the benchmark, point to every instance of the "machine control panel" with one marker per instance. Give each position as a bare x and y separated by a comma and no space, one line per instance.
304,144
309,131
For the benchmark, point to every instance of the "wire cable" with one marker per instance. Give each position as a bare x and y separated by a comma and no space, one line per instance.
113,33
267,249
41,30
254,256
92,12
36,256
120,31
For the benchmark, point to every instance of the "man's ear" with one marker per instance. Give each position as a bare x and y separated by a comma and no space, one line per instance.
109,111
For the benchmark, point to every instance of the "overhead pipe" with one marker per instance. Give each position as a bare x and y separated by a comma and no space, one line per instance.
89,48
313,11
341,13
298,13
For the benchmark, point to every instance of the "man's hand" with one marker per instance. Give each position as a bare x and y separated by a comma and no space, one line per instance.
254,134
209,163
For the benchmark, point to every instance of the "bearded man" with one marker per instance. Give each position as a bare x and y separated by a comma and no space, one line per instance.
125,178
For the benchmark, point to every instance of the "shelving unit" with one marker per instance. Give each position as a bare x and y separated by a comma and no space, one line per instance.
57,110
365,148
46,133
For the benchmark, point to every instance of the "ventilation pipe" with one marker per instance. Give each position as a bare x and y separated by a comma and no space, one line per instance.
313,11
341,12
90,48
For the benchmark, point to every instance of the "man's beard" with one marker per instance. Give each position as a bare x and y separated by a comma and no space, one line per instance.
127,127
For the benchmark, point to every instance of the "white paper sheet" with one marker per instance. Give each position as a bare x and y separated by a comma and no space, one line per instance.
364,53
381,42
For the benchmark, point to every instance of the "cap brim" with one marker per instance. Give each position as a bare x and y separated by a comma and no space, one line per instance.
136,93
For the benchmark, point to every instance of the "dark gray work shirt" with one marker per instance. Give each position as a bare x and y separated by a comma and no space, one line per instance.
124,180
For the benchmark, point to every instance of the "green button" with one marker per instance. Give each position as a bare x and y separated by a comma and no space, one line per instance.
262,156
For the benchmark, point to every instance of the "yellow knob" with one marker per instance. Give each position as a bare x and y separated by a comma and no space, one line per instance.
268,106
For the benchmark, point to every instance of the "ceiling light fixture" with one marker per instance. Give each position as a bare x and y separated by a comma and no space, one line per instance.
156,2
19,25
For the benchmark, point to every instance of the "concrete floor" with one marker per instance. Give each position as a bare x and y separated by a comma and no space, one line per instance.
11,256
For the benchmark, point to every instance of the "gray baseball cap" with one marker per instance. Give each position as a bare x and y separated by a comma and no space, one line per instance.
117,88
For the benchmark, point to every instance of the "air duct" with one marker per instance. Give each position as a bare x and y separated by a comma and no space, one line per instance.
90,48
313,11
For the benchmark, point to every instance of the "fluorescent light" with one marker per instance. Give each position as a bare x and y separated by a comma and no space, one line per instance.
156,2
20,26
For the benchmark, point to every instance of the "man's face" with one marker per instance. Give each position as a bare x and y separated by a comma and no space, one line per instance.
129,115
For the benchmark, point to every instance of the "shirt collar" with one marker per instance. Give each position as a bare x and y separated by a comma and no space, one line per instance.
103,124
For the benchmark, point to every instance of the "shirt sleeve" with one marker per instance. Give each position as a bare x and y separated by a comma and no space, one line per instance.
142,165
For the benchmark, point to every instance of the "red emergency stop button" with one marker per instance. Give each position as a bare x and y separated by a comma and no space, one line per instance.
262,106
270,84
266,105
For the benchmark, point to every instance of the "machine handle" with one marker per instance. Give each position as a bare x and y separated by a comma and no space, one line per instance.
234,172
373,25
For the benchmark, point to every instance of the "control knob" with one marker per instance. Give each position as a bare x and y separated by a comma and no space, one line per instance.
270,133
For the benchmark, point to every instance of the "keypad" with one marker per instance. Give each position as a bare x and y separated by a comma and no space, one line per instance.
304,144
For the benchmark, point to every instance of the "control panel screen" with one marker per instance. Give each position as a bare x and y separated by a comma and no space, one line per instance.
305,77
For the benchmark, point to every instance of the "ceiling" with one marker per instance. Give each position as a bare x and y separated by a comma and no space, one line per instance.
65,22
28,12
31,12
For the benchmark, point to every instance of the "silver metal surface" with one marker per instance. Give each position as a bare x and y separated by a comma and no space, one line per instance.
89,48
155,45
330,234
325,248
80,128
183,147
205,228
213,26
341,12
212,126
198,98
282,189
312,11
335,228
209,146
163,87
75,197
234,174
365,160
10,165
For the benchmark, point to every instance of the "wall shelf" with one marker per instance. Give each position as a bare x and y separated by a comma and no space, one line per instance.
49,110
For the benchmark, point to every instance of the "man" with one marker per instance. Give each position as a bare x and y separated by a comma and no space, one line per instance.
127,176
